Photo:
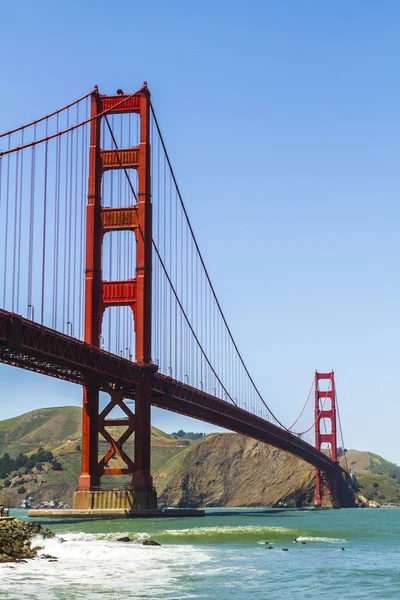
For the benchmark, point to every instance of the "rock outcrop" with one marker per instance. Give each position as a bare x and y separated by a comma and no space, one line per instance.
16,537
229,469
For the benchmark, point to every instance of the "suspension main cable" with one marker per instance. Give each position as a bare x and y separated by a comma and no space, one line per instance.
305,404
56,112
341,431
317,417
72,128
207,275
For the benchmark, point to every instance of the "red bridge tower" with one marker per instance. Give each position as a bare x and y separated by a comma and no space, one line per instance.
99,295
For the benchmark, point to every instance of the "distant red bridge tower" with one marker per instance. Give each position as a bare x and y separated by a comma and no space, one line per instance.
326,487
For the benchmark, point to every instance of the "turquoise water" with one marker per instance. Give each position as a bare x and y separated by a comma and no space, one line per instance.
220,556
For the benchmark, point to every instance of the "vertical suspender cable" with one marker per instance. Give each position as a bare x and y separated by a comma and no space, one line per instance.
14,255
44,228
31,224
20,223
6,225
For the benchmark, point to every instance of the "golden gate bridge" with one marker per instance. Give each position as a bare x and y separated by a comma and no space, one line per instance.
103,284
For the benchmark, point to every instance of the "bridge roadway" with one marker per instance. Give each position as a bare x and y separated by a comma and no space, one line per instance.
31,346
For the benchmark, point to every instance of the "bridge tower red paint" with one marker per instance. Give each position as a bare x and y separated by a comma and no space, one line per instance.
326,485
135,293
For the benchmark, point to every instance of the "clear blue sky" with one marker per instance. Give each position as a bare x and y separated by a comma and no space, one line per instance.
282,122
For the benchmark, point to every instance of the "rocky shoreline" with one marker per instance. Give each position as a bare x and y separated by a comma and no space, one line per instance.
15,540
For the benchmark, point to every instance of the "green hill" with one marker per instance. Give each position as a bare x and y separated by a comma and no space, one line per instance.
48,427
59,431
378,479
53,428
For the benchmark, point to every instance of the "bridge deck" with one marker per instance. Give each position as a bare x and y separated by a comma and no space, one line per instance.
31,346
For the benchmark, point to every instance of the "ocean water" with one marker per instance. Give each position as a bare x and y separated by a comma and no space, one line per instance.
221,556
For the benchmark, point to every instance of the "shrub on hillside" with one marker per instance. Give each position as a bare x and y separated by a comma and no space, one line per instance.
43,455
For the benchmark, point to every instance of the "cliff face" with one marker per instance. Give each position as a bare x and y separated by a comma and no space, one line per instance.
231,470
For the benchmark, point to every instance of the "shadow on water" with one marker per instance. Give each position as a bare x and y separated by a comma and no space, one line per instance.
210,514
48,522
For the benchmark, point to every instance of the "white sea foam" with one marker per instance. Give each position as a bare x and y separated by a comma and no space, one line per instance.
98,566
327,540
307,538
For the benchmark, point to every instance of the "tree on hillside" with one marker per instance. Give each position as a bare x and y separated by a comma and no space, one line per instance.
188,435
20,461
6,463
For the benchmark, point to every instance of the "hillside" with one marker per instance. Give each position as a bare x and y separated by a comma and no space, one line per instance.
224,469
50,427
378,479
59,430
